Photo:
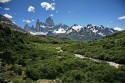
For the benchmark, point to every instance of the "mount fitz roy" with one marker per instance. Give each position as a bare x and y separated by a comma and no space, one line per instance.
75,32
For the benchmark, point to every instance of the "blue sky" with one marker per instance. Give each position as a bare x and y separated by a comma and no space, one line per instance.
110,13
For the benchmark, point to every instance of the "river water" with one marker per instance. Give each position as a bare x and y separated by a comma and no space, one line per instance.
116,65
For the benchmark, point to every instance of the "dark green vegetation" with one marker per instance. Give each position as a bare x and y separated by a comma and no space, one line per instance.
110,48
25,58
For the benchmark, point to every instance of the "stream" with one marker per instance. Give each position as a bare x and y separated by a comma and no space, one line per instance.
116,65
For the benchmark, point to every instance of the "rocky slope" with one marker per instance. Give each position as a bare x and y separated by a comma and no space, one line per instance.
6,22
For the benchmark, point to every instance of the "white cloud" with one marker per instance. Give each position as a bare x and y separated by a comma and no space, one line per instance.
31,9
57,11
51,15
6,8
121,18
33,20
4,1
48,6
7,16
118,29
27,21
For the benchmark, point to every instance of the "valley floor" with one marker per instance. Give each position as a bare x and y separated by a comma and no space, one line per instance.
33,59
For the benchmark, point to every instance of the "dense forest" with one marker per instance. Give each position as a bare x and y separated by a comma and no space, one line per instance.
26,59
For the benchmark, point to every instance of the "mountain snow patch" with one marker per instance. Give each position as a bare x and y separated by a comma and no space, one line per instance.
42,26
69,31
95,31
38,33
101,34
77,28
60,30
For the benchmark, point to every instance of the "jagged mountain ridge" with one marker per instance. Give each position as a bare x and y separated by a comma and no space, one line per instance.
75,32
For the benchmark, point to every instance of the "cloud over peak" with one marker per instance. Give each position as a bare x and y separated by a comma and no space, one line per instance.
118,29
48,6
4,1
7,16
31,9
121,18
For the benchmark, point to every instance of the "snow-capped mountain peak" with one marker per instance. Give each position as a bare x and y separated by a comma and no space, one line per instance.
77,27
60,30
75,32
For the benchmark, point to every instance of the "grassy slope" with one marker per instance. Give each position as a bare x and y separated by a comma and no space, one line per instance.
110,48
27,58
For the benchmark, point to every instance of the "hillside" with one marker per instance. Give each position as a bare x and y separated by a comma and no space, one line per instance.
25,59
109,48
6,22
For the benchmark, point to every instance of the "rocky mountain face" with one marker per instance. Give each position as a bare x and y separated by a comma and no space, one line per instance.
46,26
5,22
28,28
38,26
75,32
49,22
